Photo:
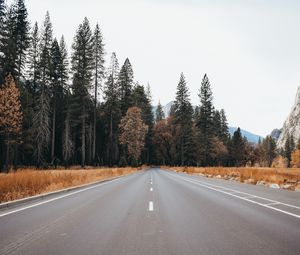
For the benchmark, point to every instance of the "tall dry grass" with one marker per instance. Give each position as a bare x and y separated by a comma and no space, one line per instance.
269,175
29,182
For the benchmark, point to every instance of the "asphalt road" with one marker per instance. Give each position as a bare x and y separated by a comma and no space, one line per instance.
157,212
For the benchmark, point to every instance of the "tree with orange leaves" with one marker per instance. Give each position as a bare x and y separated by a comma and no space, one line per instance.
10,115
295,158
133,133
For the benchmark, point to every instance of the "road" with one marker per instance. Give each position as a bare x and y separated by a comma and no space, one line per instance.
157,212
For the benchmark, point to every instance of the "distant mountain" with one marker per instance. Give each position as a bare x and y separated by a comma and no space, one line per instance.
166,109
275,134
291,126
250,136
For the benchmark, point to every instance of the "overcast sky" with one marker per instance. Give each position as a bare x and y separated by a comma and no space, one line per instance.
250,49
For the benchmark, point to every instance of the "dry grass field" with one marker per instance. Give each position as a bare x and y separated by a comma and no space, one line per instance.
29,182
280,176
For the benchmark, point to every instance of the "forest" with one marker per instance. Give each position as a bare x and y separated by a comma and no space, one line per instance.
61,108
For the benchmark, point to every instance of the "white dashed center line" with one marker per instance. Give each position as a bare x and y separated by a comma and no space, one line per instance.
151,189
150,206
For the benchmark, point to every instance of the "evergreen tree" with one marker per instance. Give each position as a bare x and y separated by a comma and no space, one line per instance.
183,121
112,109
237,149
21,35
268,150
217,123
98,53
288,148
64,64
33,71
224,127
45,53
141,100
41,118
160,115
82,69
8,50
67,142
125,86
56,91
205,121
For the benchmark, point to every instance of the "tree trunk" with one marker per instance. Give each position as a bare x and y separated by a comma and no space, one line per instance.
53,134
6,157
83,140
90,144
95,117
110,140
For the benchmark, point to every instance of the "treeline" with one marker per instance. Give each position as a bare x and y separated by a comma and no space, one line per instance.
200,137
51,113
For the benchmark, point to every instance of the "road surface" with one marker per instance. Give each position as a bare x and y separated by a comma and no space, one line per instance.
157,212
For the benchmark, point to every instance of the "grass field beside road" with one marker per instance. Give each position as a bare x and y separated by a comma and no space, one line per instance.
288,178
28,182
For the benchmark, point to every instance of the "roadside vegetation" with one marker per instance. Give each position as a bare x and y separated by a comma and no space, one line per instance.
29,182
285,178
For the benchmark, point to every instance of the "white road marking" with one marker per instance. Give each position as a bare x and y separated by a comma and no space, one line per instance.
219,189
151,189
275,203
150,206
57,198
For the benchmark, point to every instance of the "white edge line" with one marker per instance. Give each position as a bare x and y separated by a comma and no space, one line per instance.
251,201
57,198
236,191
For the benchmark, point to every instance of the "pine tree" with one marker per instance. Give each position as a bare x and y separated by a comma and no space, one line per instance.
217,123
2,18
183,121
21,34
224,127
141,99
112,109
160,115
268,150
8,50
56,91
288,148
125,86
64,64
82,69
67,142
98,49
45,53
10,115
41,118
205,121
237,149
33,71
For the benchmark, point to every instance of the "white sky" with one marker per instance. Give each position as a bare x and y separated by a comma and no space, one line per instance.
250,49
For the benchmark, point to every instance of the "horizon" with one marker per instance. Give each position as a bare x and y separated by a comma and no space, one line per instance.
245,43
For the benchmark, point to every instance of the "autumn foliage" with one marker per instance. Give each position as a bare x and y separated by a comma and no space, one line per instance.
296,159
28,182
133,132
10,109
